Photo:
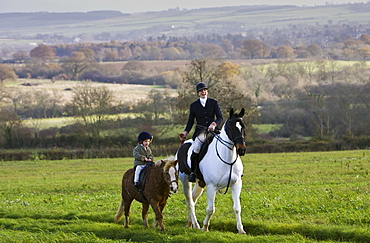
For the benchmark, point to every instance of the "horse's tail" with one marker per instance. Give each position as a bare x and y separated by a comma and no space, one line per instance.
120,211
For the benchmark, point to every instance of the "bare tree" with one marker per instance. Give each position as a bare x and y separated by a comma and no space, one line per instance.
91,107
201,70
74,66
21,56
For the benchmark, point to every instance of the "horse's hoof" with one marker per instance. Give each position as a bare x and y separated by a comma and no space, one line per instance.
196,226
242,232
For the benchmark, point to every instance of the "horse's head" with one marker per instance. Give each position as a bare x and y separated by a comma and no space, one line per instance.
235,130
169,168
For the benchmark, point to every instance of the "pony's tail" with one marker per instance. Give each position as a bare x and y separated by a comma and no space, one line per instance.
120,211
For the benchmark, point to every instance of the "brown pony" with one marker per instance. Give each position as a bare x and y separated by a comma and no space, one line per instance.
161,178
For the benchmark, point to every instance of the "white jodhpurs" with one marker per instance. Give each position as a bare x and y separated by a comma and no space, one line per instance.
199,140
137,172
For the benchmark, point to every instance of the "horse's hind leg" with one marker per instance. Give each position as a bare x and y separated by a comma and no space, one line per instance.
127,206
235,189
144,214
124,207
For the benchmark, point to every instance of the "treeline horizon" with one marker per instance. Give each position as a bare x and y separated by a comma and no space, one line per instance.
315,102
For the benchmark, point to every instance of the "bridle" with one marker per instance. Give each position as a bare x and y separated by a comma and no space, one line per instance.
169,181
229,145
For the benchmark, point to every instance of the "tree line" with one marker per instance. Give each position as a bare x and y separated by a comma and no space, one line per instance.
313,100
79,61
213,46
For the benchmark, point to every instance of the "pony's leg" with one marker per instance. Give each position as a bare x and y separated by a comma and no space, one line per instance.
192,218
161,207
158,214
211,195
236,189
144,214
127,205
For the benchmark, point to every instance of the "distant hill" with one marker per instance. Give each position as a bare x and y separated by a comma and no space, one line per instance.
177,22
23,21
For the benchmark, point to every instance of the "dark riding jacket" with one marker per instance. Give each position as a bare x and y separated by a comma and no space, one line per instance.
203,115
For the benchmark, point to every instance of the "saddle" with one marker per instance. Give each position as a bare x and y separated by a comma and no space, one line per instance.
182,155
204,148
143,175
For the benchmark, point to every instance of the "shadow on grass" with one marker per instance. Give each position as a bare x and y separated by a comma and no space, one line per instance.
102,226
314,232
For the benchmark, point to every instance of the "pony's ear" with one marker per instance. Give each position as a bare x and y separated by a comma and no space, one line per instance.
231,112
241,114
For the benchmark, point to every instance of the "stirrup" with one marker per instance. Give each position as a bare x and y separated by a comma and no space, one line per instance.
192,177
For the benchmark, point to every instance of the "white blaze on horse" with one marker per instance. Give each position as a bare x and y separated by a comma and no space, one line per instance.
221,167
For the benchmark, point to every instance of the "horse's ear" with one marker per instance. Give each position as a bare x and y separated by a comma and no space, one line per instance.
231,112
241,114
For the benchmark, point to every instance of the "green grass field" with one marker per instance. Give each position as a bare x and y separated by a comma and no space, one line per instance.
266,128
286,197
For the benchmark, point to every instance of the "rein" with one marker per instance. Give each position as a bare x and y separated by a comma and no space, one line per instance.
226,144
230,146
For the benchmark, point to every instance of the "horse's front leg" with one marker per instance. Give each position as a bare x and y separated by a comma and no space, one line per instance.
197,191
158,214
144,214
161,207
192,218
211,195
236,189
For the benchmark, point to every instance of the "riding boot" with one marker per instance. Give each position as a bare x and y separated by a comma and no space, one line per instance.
194,164
137,185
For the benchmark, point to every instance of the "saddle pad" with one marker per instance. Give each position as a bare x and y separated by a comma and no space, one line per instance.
182,155
143,174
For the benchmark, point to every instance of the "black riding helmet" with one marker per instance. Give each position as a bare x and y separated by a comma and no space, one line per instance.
200,86
144,136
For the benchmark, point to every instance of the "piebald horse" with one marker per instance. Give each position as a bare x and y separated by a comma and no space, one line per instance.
221,168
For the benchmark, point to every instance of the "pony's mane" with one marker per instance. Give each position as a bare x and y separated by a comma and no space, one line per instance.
169,162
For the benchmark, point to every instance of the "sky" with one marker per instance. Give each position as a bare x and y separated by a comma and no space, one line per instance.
134,6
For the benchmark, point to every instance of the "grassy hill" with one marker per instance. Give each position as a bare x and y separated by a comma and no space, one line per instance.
180,21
